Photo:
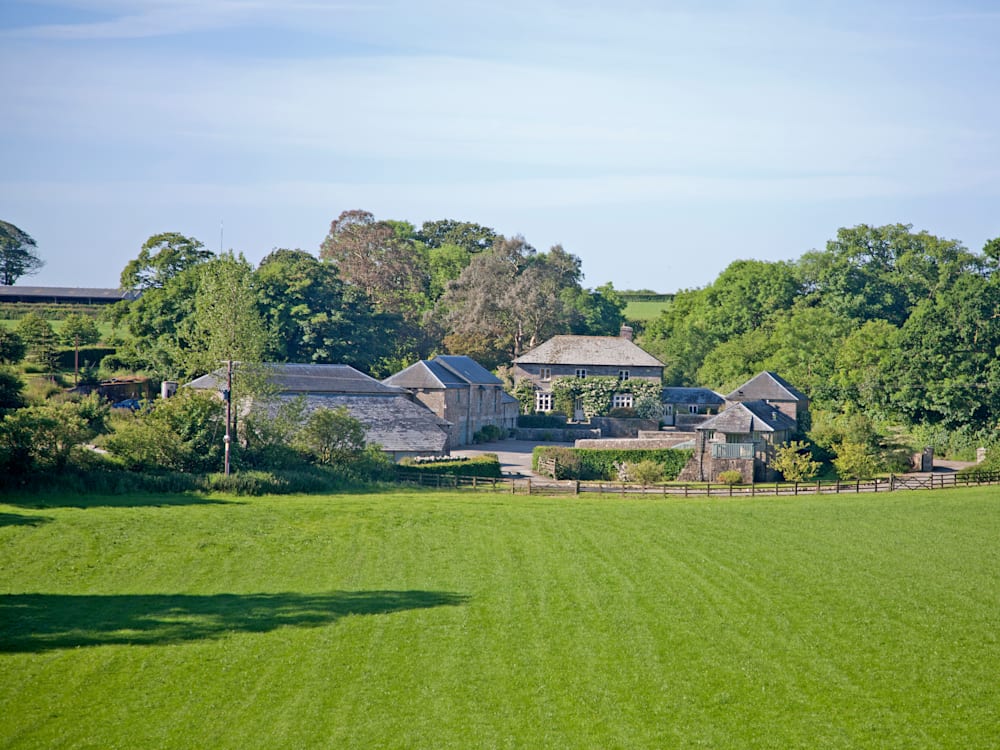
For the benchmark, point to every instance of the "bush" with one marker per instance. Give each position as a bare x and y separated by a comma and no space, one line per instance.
485,466
489,433
794,462
603,464
730,477
567,462
646,472
529,421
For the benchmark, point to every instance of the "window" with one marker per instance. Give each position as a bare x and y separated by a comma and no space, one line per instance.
693,409
621,401
545,373
543,401
581,372
623,374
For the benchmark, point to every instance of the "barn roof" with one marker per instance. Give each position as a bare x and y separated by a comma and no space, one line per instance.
745,417
767,386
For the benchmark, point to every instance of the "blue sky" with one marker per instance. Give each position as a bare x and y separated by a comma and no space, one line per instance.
658,141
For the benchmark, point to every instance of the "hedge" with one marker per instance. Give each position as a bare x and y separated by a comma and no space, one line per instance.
600,464
541,421
485,466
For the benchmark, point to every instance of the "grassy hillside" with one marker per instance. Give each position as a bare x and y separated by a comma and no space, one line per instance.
442,620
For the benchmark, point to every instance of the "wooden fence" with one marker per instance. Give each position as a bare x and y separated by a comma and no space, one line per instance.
542,486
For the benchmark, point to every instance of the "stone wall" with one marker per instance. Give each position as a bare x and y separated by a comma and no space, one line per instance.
628,444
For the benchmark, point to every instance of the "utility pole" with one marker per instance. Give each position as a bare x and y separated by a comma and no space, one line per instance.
228,393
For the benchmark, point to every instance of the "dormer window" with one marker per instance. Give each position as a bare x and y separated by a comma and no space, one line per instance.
581,372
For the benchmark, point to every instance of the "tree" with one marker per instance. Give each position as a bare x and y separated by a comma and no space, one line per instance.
40,338
162,257
333,436
508,300
596,312
794,462
17,254
78,329
370,255
881,273
12,347
11,390
857,461
311,316
470,237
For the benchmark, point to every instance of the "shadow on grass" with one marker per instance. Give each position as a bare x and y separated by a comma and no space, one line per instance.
16,519
136,500
31,623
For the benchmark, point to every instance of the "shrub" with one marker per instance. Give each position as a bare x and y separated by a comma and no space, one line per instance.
730,477
602,464
794,462
857,461
485,466
529,421
333,436
646,472
567,462
489,433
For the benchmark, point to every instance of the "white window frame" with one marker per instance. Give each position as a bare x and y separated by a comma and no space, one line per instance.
545,373
622,401
692,408
543,401
623,374
581,372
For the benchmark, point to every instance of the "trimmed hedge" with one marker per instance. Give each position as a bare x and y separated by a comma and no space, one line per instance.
486,466
541,421
600,464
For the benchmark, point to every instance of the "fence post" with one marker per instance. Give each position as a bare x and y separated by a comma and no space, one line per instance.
857,489
576,487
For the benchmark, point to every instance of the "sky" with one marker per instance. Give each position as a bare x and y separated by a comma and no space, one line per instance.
657,141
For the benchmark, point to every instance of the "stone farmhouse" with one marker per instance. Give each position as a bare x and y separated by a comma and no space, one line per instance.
583,357
759,416
392,420
461,391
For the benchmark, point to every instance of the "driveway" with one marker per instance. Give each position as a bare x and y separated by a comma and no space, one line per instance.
514,455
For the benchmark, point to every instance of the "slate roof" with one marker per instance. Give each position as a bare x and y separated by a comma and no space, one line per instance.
589,350
700,396
63,293
745,417
392,421
767,386
444,371
304,378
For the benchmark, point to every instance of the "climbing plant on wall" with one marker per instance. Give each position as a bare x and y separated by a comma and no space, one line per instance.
596,393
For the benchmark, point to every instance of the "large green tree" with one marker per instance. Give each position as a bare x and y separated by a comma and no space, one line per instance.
17,254
312,316
161,258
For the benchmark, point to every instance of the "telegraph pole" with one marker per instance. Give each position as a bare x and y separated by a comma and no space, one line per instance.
228,393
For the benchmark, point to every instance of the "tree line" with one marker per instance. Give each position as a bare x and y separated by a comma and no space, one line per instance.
378,296
886,329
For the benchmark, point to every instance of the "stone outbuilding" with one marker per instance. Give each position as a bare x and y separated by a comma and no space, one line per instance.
392,420
742,438
460,390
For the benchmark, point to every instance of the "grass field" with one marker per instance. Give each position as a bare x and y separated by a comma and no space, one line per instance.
413,620
644,311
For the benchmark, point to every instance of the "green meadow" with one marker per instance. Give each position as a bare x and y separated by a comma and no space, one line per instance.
460,620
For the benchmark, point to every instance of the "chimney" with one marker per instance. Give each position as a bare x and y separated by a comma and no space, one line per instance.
626,333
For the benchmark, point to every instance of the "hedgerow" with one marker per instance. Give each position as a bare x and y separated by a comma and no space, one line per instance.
484,466
601,464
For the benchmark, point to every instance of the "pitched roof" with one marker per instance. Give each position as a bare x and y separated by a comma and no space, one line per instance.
444,371
304,378
392,421
467,368
700,396
69,293
745,417
767,386
589,350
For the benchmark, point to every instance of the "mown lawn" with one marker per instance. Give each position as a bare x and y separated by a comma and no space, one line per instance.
412,620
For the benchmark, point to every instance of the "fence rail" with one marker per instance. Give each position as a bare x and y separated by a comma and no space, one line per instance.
542,486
